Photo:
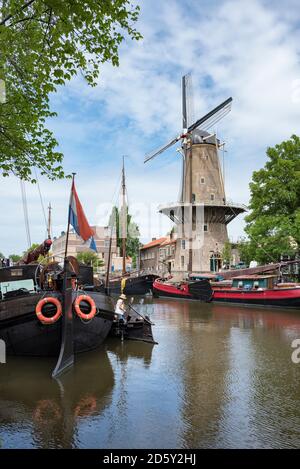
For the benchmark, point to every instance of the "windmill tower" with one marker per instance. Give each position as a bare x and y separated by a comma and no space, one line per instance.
202,213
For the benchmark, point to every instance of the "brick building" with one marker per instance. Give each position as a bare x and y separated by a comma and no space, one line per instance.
158,256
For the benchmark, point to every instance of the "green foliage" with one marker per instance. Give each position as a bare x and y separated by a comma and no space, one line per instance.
32,247
247,251
15,257
133,234
226,253
43,44
90,258
273,225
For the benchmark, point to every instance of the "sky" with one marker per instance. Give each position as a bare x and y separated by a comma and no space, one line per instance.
247,50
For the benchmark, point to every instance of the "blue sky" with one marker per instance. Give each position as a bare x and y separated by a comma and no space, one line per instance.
247,50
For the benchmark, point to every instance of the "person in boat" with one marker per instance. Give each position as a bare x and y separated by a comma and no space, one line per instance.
120,309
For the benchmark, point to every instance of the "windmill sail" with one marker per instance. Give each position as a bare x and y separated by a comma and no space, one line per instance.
160,150
206,122
188,114
212,117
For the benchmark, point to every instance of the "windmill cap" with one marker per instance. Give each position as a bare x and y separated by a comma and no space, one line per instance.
198,134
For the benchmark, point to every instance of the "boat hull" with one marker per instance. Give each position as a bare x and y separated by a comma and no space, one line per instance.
134,330
199,290
25,335
288,297
133,286
283,297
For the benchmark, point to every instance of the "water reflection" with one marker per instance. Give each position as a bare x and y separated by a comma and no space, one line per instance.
240,387
130,350
221,376
38,411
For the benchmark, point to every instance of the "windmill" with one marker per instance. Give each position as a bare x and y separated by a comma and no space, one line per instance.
202,187
205,122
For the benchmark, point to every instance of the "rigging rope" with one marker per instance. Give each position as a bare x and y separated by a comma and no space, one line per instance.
41,199
25,212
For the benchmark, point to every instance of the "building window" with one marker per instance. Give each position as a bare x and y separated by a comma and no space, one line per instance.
212,196
182,261
183,244
202,180
193,198
205,227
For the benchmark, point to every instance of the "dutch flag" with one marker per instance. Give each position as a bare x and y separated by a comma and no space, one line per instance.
78,220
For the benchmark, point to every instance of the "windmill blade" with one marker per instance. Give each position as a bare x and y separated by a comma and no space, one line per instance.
184,103
187,101
213,116
213,120
160,150
190,109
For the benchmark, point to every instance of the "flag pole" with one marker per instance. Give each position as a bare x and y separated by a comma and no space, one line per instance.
69,217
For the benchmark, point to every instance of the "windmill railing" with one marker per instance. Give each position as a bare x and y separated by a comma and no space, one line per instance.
212,203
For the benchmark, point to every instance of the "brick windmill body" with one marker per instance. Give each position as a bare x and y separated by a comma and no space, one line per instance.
202,213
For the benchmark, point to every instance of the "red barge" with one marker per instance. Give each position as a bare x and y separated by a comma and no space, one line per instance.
260,290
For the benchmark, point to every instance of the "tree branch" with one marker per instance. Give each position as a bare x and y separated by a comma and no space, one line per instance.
8,17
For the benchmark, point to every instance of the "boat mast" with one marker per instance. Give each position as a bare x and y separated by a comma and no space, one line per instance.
124,216
49,221
108,261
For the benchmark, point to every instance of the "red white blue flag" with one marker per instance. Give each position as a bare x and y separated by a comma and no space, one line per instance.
78,220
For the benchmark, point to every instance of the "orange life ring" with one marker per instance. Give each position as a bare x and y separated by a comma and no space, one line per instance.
39,307
88,300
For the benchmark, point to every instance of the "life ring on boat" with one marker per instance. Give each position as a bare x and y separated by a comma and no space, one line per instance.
39,307
88,300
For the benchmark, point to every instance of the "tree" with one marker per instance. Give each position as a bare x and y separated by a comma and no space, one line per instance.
273,225
31,248
226,253
15,257
90,258
43,44
246,251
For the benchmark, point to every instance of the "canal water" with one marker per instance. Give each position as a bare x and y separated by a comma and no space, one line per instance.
220,377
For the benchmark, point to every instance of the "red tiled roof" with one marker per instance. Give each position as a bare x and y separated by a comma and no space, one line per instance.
168,241
155,242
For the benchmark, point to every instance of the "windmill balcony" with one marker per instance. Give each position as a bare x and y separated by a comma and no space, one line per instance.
208,212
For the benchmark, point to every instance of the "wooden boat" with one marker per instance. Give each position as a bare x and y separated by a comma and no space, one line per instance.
190,290
257,290
248,290
22,287
129,285
136,327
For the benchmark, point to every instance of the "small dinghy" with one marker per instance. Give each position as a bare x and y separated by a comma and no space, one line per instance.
134,326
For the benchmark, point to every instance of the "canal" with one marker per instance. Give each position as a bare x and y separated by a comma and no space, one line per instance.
221,377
